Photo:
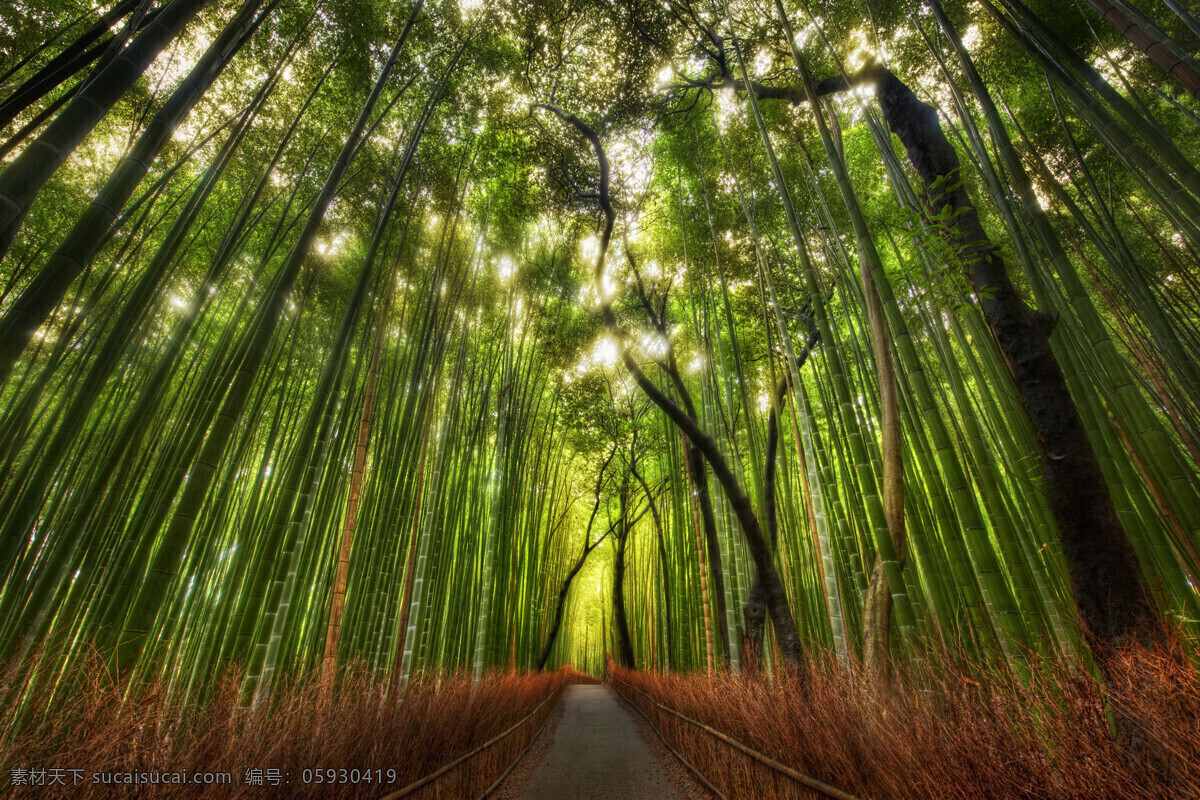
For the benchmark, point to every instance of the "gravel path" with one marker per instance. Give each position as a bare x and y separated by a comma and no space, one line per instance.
595,749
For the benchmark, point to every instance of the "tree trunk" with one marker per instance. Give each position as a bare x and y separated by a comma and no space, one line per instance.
1151,41
777,601
22,179
701,565
77,250
74,58
1112,596
588,547
713,547
877,621
663,565
559,609
333,631
624,640
755,612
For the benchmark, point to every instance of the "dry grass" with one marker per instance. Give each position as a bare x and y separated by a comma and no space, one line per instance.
945,730
940,732
91,729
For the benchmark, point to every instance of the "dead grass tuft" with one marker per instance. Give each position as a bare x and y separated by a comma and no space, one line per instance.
90,727
947,731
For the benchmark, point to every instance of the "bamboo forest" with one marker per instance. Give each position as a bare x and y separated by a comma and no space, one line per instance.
600,398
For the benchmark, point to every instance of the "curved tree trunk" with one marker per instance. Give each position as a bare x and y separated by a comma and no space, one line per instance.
755,612
588,547
560,609
1098,554
777,602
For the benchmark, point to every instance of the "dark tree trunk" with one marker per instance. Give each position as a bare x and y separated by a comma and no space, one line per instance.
777,601
624,640
588,547
756,604
712,545
74,58
559,609
1114,602
27,173
755,612
1115,606
662,558
703,495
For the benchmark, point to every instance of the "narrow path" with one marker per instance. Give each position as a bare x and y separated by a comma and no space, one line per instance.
598,754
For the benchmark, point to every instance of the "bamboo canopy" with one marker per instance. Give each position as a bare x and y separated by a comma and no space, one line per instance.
492,335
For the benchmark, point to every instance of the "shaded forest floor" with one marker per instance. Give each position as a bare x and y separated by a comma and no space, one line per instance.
945,729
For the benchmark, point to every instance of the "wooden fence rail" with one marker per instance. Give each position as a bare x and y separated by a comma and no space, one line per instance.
431,783
810,784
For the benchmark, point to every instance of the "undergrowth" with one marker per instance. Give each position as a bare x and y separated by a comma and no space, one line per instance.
362,743
944,729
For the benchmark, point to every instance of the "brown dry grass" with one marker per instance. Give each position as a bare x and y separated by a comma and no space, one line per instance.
950,731
90,728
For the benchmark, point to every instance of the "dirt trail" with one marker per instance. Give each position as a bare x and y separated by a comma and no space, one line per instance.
598,754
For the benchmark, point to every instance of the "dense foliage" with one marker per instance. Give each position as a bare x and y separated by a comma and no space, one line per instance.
394,334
